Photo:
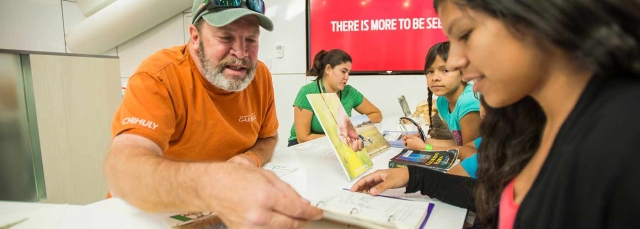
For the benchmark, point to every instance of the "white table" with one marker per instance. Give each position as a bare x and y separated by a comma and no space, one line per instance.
317,174
321,173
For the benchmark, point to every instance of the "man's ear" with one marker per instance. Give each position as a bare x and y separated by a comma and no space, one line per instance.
195,36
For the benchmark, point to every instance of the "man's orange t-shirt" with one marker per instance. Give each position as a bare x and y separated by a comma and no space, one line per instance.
168,101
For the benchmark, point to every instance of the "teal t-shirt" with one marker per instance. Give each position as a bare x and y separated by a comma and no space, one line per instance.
466,103
471,163
350,98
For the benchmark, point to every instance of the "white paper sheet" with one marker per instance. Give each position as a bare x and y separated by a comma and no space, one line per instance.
279,170
46,216
381,210
315,147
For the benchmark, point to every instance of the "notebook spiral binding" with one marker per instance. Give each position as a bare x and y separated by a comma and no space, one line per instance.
391,217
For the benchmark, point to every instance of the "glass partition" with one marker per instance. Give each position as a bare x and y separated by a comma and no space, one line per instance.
21,172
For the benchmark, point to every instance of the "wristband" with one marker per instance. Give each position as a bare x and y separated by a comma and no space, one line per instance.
254,158
428,147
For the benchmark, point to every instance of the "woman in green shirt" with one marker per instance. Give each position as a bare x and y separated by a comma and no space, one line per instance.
332,71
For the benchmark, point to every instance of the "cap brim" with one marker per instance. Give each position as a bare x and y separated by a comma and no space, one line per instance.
226,16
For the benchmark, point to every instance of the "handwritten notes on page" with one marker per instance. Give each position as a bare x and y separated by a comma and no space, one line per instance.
386,212
279,170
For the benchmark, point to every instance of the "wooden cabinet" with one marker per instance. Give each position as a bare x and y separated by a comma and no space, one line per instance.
75,99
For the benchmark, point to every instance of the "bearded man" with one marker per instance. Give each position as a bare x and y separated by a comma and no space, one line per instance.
198,120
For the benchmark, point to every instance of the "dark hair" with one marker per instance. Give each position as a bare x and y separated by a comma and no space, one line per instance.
503,154
332,58
599,35
602,36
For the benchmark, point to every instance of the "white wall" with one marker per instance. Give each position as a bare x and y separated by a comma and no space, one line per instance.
89,7
132,52
165,35
289,22
41,25
31,25
72,15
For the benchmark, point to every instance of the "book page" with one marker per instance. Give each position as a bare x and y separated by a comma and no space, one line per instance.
393,135
279,170
384,211
314,147
374,142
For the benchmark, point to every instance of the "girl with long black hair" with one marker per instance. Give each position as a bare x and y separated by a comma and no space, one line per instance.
579,60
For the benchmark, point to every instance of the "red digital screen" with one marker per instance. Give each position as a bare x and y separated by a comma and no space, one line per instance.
379,36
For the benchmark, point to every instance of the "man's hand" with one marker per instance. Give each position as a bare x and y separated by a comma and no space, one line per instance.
413,142
256,198
243,159
381,180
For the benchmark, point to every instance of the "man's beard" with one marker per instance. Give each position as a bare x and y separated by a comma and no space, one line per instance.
215,74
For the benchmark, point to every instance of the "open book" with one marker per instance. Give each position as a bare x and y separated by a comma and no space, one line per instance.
194,220
369,211
374,142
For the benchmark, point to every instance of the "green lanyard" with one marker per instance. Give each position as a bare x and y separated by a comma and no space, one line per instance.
321,89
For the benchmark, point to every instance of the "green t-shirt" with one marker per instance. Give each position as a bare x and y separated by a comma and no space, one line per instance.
351,98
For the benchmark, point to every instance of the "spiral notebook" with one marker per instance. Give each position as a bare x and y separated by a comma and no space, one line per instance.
369,211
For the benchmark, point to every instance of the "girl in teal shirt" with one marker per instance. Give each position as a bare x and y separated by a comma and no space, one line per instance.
456,103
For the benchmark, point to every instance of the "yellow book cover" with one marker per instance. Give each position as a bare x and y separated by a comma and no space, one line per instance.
346,142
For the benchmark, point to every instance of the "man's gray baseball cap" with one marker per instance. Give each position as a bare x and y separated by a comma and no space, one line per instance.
222,12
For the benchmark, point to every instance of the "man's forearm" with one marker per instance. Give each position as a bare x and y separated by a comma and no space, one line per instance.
154,184
264,148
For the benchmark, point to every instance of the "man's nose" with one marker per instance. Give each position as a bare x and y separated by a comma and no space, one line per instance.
239,49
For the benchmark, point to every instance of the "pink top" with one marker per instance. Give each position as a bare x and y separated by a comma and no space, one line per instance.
508,207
